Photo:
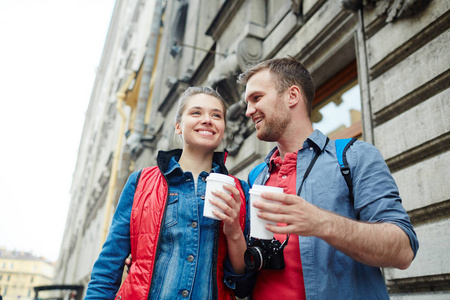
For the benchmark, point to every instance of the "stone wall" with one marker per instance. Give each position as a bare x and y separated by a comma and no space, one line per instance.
401,50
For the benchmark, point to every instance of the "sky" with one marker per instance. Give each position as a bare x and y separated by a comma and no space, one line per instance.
49,52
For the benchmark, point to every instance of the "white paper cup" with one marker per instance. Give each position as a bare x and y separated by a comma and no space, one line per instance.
258,225
215,181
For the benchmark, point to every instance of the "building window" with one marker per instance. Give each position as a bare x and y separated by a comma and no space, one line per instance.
337,105
8,278
32,279
11,265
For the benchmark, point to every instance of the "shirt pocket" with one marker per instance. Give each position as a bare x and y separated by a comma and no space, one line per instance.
171,217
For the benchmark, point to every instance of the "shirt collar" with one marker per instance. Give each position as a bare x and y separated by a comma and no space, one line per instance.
275,158
317,140
173,166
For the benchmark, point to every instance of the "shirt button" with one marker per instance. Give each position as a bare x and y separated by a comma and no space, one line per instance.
185,293
311,148
202,197
190,258
284,176
194,224
278,165
204,179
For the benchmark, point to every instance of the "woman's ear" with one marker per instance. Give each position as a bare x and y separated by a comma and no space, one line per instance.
177,128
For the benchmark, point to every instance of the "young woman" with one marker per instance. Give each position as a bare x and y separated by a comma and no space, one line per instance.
177,253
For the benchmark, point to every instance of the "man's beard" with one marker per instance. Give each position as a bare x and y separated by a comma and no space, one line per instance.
274,127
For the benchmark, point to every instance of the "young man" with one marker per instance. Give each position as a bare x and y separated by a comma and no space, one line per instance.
339,238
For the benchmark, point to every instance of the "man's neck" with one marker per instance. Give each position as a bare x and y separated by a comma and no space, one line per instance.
293,140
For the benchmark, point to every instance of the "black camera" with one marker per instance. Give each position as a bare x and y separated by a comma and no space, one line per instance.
265,254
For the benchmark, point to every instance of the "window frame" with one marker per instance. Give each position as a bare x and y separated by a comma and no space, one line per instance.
333,85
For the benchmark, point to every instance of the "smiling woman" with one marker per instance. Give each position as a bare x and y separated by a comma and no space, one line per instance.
159,219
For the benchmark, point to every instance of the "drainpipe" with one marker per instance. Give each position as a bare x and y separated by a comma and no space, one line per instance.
134,141
115,164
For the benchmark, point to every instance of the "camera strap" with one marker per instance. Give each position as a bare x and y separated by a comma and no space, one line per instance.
311,165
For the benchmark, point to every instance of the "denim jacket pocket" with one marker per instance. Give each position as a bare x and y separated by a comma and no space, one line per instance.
171,217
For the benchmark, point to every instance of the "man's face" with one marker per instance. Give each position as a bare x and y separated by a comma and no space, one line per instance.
268,110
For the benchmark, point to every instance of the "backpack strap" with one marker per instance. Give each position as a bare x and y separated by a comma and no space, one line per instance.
342,146
255,172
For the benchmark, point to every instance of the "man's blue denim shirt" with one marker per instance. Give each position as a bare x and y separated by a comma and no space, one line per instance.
329,273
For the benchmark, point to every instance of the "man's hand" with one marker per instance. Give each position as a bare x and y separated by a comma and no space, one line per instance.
374,244
301,217
128,262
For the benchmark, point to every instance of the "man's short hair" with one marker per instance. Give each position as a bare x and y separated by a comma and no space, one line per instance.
286,71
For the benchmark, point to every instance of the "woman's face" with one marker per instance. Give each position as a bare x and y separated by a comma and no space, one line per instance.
202,124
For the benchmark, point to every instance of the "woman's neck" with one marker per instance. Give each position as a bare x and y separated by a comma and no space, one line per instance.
196,162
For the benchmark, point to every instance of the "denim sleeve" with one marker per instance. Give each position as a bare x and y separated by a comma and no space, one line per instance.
107,272
375,192
242,284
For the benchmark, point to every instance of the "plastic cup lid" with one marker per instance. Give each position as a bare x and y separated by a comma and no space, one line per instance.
256,188
221,177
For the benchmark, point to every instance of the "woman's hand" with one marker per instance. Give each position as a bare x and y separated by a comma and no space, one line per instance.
231,206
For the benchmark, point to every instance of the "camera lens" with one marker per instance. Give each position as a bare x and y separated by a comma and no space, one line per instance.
253,258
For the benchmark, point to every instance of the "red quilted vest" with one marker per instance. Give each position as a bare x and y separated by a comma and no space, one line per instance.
145,224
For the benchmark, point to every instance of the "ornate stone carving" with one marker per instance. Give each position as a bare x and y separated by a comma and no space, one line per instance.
249,52
392,9
226,69
236,127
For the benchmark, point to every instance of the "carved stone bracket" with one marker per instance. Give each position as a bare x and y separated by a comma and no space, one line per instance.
392,9
227,69
236,127
249,52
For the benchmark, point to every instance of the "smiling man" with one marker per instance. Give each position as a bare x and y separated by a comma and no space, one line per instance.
339,238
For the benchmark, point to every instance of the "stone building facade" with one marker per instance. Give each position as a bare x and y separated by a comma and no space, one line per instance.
381,69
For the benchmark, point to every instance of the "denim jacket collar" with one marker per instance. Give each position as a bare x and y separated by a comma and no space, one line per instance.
166,159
